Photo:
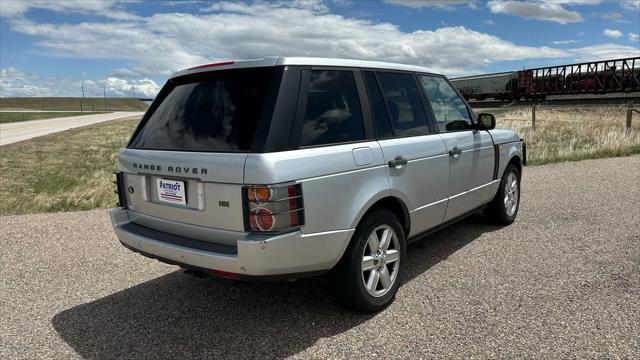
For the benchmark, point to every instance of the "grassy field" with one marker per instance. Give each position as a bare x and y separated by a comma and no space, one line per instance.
70,170
72,104
7,117
569,134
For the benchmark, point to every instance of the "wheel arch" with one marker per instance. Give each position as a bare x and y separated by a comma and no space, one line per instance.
391,203
517,162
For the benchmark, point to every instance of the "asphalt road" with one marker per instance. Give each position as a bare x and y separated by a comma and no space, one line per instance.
23,130
562,282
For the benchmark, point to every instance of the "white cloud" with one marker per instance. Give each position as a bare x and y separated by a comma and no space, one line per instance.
489,22
438,4
15,82
612,33
614,15
565,42
106,8
633,37
604,52
163,43
545,10
633,5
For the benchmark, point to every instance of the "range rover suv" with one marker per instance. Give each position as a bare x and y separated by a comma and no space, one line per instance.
281,168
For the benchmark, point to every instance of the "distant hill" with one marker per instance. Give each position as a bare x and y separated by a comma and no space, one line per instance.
72,104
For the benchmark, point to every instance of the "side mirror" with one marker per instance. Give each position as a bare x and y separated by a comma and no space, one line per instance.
486,121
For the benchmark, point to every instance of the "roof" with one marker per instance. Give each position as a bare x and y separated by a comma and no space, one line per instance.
309,61
482,76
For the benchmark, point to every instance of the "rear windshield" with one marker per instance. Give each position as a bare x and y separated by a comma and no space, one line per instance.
218,111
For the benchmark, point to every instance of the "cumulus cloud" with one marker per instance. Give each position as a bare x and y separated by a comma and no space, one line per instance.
438,4
614,15
106,8
158,45
633,5
612,33
164,43
546,10
16,82
604,52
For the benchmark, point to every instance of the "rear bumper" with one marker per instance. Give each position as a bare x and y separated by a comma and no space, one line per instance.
292,254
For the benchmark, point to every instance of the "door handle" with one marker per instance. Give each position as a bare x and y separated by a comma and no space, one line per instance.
398,162
455,151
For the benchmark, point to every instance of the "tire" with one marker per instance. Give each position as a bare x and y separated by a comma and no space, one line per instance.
348,277
504,207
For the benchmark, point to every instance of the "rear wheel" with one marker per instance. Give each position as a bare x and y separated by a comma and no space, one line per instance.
504,207
368,276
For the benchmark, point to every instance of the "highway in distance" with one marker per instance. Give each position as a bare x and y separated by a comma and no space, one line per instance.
24,130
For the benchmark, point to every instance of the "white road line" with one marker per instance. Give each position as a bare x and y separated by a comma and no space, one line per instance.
23,130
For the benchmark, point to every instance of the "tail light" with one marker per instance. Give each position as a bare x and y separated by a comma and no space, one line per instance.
119,181
273,208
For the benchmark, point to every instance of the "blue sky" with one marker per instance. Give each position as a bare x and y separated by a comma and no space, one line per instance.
49,48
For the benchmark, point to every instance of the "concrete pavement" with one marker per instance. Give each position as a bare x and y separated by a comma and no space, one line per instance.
23,130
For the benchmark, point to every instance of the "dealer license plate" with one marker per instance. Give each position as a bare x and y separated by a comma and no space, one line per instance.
171,191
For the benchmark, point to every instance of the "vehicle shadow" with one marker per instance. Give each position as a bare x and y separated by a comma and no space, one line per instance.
181,316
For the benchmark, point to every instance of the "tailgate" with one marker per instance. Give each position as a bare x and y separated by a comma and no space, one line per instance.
210,186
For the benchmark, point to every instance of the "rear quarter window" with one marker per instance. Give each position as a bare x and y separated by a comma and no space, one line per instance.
217,112
332,112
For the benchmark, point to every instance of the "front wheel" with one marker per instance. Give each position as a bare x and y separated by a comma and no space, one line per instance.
504,207
369,275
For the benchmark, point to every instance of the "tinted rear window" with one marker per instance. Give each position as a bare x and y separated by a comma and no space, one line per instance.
333,113
217,112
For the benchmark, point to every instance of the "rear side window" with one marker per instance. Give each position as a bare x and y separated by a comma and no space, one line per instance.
218,112
405,104
332,113
450,111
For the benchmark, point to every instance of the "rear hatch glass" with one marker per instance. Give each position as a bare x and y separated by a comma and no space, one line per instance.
211,112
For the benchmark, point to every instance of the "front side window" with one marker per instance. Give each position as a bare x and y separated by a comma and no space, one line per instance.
332,113
403,100
450,111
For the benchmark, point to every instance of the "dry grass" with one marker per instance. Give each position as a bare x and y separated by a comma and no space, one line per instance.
72,104
70,170
568,134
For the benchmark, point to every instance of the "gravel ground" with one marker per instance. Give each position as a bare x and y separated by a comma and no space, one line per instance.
562,281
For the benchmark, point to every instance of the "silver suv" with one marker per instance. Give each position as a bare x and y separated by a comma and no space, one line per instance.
281,168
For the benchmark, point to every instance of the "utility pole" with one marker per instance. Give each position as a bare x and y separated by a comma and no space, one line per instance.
82,85
104,95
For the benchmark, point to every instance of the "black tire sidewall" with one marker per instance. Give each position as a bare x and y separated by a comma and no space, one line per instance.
362,299
502,212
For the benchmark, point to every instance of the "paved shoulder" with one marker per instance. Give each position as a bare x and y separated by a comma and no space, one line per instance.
562,282
23,130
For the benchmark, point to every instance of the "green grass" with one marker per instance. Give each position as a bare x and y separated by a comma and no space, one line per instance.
70,170
7,117
72,104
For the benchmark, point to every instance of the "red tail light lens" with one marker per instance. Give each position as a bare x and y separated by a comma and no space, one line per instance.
261,219
273,208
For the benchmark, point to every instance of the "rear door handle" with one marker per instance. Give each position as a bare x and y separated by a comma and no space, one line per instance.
455,151
398,162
